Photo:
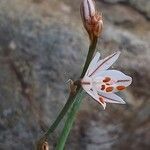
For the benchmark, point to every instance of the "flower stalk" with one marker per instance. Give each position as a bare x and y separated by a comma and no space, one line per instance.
89,56
92,22
65,109
70,119
77,102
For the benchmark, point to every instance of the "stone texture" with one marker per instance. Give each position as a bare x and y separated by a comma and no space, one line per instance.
143,6
37,54
114,1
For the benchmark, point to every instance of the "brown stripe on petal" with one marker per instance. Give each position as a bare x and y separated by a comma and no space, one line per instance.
102,64
83,82
123,80
107,97
89,8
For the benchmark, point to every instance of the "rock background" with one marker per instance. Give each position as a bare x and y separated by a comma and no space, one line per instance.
43,44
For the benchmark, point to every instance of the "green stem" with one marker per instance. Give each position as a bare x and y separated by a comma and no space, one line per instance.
78,99
70,120
57,121
89,56
60,116
71,99
68,104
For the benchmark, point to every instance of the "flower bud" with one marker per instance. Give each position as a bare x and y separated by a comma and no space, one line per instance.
45,146
92,20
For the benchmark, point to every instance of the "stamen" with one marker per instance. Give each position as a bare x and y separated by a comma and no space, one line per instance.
107,83
120,88
107,79
83,82
109,89
103,87
101,100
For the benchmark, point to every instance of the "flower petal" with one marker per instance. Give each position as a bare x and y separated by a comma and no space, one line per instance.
93,63
117,78
99,99
101,102
110,81
111,98
104,64
93,93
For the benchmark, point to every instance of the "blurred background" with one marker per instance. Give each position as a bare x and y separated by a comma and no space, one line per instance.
43,44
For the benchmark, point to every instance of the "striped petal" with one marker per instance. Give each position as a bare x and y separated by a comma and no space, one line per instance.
93,64
111,98
88,8
93,93
101,83
99,99
104,64
110,81
117,78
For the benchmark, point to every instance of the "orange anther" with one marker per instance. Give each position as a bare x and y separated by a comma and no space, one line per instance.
101,100
120,87
109,89
103,87
107,79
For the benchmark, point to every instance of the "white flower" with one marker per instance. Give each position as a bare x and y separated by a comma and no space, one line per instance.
101,83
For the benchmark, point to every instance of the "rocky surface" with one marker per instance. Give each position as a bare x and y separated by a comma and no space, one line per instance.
141,6
42,45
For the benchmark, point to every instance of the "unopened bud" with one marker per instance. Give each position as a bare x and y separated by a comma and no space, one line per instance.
45,146
42,144
92,20
88,9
